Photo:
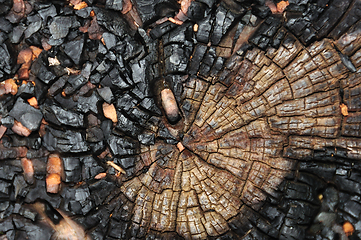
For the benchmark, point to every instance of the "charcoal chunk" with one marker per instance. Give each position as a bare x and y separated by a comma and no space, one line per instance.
28,213
116,80
223,21
58,116
100,190
161,29
149,104
7,121
121,146
299,191
6,225
33,27
66,103
38,191
94,134
106,94
114,4
261,11
146,9
74,49
40,70
3,37
127,126
37,231
5,25
330,199
139,116
78,200
84,12
110,40
57,86
129,49
72,169
60,26
86,104
75,82
176,58
204,29
197,57
118,229
196,11
26,90
301,212
5,59
29,116
347,184
4,188
209,3
4,8
47,12
16,34
127,162
90,168
112,21
147,139
95,78
104,67
20,186
8,171
64,141
126,102
352,207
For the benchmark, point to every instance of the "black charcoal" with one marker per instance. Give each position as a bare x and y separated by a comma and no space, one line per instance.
114,4
29,116
39,69
8,171
100,190
147,139
106,94
72,169
57,86
84,12
161,29
5,25
94,134
196,11
26,90
75,82
33,28
74,49
110,40
47,12
66,103
58,115
64,141
86,104
16,34
60,26
90,168
5,59
121,146
127,126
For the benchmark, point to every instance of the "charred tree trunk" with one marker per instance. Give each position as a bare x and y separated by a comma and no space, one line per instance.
158,119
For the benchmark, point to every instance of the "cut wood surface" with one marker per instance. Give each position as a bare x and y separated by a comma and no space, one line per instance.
191,119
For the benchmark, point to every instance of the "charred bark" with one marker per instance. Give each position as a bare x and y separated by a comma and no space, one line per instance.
180,120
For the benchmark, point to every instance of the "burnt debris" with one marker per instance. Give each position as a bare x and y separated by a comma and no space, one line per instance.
191,119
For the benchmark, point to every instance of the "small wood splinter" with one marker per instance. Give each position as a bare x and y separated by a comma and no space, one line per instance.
170,105
180,146
116,167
